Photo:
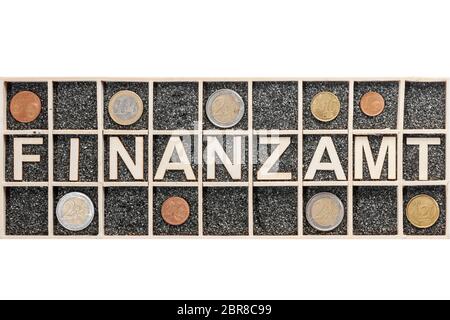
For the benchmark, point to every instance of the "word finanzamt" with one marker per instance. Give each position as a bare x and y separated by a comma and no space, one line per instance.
176,157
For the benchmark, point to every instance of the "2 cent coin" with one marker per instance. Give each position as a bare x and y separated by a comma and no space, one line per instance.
372,104
25,107
175,211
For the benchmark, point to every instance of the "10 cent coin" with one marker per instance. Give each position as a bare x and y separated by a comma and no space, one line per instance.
372,104
324,211
422,211
175,211
225,108
325,106
75,211
125,107
25,106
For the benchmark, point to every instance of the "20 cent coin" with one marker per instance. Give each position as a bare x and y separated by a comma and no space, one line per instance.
422,211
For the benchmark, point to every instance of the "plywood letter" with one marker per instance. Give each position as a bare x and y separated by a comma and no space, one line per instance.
325,144
214,148
282,144
175,144
388,146
74,159
423,144
116,148
20,158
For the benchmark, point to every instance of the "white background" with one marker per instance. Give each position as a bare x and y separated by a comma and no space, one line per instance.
230,38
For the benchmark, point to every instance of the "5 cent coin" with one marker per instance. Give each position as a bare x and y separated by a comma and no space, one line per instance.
25,106
324,211
422,211
75,211
125,107
372,104
325,106
225,108
175,211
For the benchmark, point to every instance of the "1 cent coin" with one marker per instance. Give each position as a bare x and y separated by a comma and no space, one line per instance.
125,107
372,104
422,211
25,106
325,106
175,211
75,211
325,211
225,108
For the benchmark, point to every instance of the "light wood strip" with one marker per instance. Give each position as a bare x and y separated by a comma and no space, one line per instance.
447,157
350,158
3,113
100,152
50,159
250,159
150,156
200,158
400,126
300,160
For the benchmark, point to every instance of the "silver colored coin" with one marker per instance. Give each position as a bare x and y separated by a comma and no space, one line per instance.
225,108
125,107
75,211
324,211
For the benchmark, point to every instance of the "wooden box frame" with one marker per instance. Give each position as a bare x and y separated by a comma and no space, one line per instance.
199,133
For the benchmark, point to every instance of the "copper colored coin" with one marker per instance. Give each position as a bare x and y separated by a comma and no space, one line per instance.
25,106
372,104
175,211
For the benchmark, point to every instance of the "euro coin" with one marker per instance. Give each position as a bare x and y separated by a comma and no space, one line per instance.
324,211
175,211
325,106
372,104
225,108
75,211
25,106
422,211
125,108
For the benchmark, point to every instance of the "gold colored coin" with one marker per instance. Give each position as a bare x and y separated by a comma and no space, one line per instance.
325,106
422,211
372,104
